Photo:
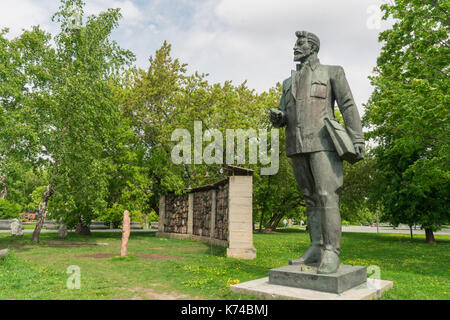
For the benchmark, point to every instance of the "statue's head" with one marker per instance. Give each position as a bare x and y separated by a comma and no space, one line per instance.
307,44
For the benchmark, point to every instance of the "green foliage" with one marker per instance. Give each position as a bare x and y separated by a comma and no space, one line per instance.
8,210
70,122
153,217
36,198
408,115
354,196
33,281
362,215
115,214
84,110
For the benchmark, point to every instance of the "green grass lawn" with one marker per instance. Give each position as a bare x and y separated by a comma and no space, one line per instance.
159,268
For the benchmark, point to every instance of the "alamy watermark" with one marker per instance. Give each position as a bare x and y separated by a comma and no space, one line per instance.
235,151
74,281
374,278
75,20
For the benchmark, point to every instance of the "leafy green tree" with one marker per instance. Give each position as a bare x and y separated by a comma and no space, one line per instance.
128,187
154,103
164,98
59,111
275,196
354,196
36,198
8,210
20,76
83,111
408,116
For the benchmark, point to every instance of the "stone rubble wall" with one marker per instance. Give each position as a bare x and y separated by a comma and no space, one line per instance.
202,213
219,213
209,212
176,213
221,219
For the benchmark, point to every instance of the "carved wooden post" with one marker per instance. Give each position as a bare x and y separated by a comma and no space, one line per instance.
125,233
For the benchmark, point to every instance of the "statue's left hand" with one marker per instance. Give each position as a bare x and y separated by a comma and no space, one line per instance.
360,150
275,115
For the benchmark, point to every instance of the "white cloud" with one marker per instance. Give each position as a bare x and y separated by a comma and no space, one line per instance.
131,15
253,39
22,14
233,39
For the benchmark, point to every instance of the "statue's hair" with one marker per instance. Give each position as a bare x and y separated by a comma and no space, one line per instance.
312,39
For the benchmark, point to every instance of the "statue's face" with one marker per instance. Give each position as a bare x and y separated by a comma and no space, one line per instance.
302,49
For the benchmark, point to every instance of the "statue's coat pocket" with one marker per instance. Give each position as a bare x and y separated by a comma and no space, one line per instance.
319,89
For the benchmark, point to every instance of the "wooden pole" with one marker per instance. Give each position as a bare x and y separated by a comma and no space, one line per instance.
125,233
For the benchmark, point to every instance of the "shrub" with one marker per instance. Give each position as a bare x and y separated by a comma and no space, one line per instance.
8,210
153,217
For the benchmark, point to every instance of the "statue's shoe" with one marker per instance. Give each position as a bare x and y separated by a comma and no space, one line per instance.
329,263
312,255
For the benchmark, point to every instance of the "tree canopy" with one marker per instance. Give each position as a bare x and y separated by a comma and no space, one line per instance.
408,115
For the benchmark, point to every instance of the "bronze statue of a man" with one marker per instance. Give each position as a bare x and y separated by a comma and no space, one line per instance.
307,103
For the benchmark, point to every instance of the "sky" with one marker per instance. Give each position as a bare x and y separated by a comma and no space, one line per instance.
234,40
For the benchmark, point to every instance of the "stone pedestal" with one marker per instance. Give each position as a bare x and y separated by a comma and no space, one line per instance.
306,277
263,289
241,253
301,282
240,228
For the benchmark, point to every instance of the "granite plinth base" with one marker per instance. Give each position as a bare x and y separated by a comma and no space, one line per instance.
306,277
261,288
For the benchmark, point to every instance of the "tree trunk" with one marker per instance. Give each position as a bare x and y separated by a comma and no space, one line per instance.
4,189
411,231
4,192
42,213
273,223
261,220
277,221
265,205
82,230
429,235
268,226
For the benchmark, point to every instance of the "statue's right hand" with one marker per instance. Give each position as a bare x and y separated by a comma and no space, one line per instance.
275,115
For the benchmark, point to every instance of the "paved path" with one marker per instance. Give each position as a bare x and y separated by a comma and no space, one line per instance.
389,230
367,229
